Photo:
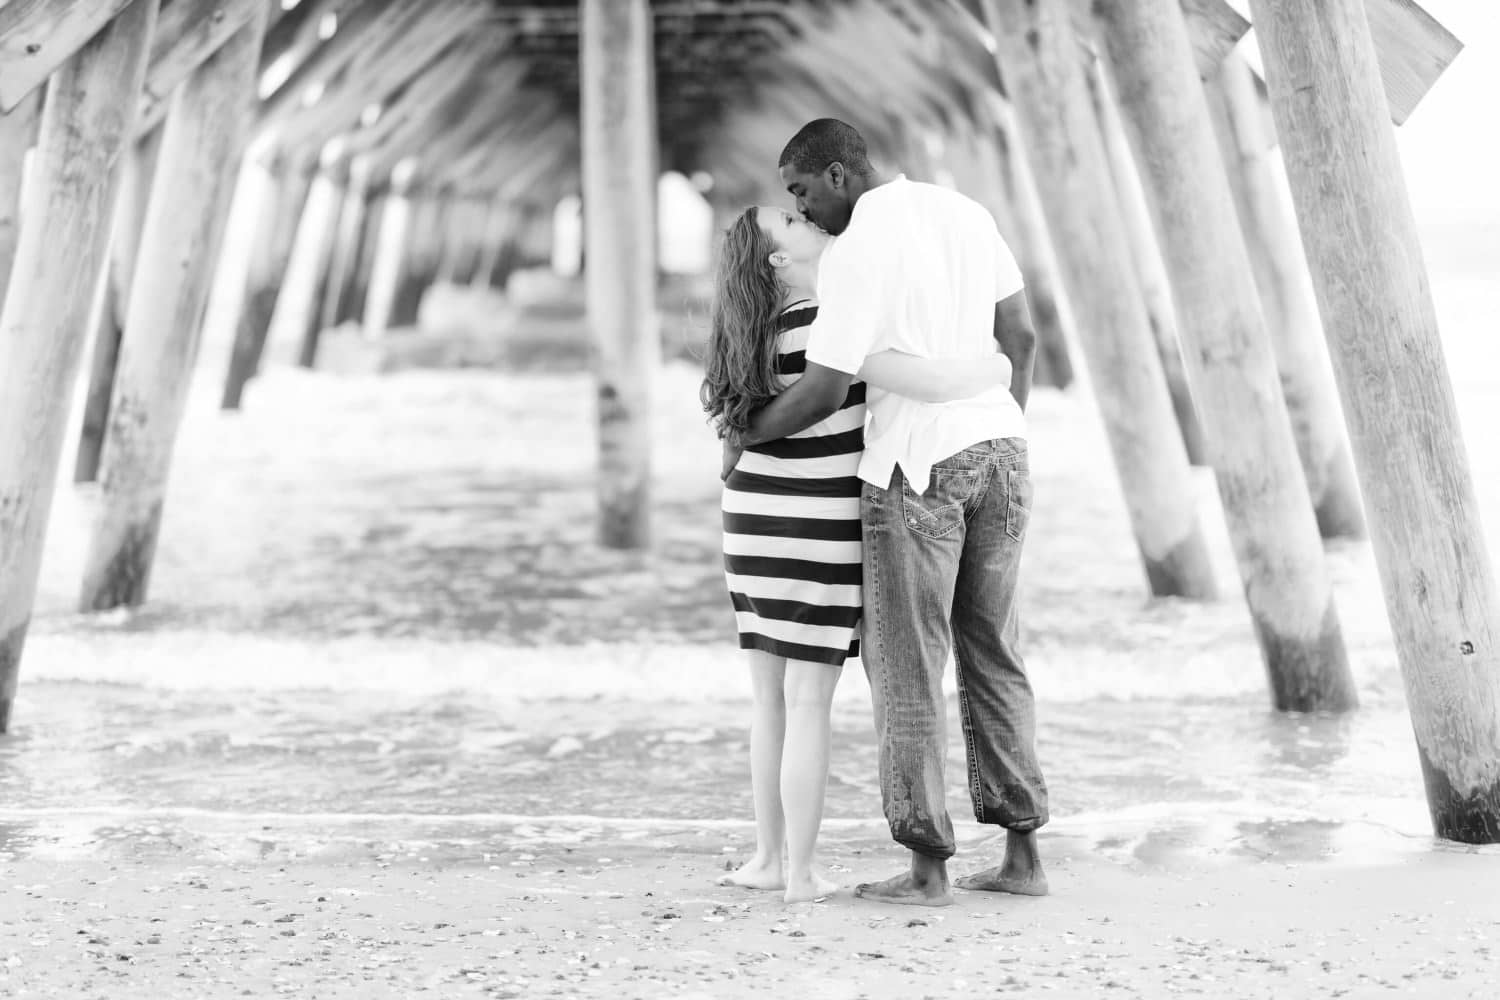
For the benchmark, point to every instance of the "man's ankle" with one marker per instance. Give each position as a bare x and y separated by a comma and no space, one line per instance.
926,870
1021,849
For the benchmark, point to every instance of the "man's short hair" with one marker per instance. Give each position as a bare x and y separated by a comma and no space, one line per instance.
823,141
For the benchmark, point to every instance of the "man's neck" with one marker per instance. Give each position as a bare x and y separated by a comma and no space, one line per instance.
859,186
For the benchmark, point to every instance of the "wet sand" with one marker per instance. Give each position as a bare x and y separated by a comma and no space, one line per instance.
644,921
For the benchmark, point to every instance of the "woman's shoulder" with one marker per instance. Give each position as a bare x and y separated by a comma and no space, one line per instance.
796,316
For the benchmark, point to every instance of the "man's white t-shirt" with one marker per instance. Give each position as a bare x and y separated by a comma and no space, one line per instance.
918,269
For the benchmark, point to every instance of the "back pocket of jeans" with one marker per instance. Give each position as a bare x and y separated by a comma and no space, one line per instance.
940,508
1018,510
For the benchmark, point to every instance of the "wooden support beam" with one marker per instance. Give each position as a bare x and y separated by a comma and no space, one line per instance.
470,151
444,110
453,239
354,294
499,228
292,35
785,100
536,171
957,44
619,189
288,28
912,153
271,249
38,36
1357,226
435,100
299,302
1035,252
937,64
1287,299
344,255
17,135
202,138
296,34
511,254
363,26
187,34
509,160
377,73
86,121
477,234
1229,357
390,245
320,265
1214,28
139,168
545,178
406,298
1146,258
1412,48
1039,56
825,51
457,260
430,208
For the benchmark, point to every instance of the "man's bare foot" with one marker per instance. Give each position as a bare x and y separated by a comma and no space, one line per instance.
906,890
1020,873
805,889
757,873
997,879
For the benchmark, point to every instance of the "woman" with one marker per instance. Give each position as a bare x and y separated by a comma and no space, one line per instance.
791,524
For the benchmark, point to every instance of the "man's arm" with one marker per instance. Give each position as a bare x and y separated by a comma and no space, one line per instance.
815,396
935,380
1017,339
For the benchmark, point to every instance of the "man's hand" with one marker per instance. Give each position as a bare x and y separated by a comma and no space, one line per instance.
1017,339
732,453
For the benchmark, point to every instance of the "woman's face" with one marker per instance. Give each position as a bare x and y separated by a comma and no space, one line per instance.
791,234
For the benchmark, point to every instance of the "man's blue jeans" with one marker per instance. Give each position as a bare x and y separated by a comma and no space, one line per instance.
938,564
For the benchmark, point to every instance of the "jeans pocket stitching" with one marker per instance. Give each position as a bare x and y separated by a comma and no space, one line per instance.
931,522
1016,513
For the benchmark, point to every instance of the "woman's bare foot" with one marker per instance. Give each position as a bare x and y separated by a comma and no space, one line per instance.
925,885
806,889
757,873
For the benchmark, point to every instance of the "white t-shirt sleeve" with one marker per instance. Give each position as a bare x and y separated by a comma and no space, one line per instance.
1008,280
852,300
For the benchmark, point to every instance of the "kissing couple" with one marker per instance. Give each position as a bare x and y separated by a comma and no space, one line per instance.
868,366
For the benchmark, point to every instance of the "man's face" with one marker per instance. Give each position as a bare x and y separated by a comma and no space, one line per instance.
822,198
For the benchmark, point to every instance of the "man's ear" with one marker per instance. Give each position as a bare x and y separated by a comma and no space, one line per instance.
778,259
836,174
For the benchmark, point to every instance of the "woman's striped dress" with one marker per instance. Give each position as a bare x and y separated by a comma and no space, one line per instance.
791,526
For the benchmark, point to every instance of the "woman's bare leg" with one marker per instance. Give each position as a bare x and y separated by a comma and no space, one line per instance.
804,772
767,731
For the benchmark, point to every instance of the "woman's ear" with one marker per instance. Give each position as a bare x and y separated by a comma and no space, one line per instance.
779,259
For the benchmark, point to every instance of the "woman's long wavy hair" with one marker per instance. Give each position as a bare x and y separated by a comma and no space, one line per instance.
740,366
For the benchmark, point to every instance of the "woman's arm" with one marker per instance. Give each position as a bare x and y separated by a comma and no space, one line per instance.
935,380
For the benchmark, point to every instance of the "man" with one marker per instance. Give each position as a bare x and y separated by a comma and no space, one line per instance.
945,497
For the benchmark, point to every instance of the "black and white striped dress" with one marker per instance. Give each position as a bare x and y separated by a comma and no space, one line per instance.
791,526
